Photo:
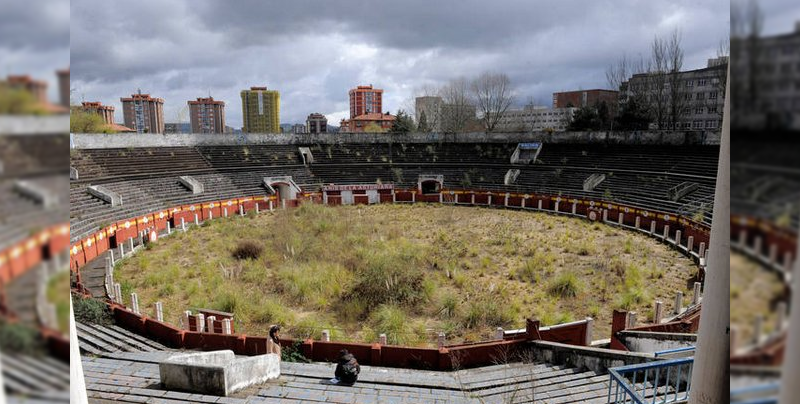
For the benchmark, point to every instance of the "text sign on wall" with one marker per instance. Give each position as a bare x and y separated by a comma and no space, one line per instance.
356,187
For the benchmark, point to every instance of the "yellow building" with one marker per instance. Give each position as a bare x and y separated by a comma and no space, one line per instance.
261,110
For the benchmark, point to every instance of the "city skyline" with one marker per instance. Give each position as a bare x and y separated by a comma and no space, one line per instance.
193,49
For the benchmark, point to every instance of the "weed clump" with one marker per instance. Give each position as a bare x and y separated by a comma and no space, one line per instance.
565,285
91,311
247,250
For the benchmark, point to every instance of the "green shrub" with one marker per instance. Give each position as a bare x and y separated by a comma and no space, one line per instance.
631,298
294,353
20,339
90,310
565,285
392,321
247,249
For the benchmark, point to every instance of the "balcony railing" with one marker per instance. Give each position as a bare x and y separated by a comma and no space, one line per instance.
659,382
760,394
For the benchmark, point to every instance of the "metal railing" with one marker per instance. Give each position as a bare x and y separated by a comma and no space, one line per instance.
760,394
659,382
683,352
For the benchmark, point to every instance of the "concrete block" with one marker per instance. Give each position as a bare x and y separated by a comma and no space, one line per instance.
696,293
216,373
105,194
326,335
382,339
678,302
658,312
499,333
192,184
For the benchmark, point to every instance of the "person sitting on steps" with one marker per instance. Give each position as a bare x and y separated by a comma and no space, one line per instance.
347,369
275,339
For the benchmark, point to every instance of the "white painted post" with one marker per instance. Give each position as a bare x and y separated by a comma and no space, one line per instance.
658,312
382,339
653,227
270,205
490,198
183,225
135,303
678,302
696,293
326,336
210,214
473,198
283,203
196,219
130,240
210,324
414,196
702,251
620,218
169,228
677,238
241,210
110,287
440,199
186,315
159,311
690,244
631,319
201,322
780,319
540,204
225,212
589,331
109,266
499,333
757,244
110,254
523,202
574,208
556,208
122,250
638,222
441,340
758,329
666,232
605,215
226,326
256,207
118,293
505,202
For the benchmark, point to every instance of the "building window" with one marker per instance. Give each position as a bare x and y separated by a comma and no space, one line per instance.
701,82
712,95
689,83
711,124
697,125
701,96
699,111
712,110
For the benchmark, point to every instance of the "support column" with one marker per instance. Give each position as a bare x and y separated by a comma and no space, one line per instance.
678,303
677,238
696,295
118,292
135,302
652,227
186,315
589,331
256,207
605,215
666,233
658,312
169,228
638,222
711,373
77,386
690,244
159,311
790,389
621,218
540,204
226,326
241,210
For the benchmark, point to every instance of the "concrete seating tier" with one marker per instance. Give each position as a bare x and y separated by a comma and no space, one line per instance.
30,154
92,163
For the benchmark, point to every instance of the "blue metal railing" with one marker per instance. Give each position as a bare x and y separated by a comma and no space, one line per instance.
661,382
760,394
688,350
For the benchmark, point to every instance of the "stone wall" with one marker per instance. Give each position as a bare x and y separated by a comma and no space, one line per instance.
104,141
645,341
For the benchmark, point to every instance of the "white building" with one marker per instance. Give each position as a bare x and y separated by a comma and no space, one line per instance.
535,118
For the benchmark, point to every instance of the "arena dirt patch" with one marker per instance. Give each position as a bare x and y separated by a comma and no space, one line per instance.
754,291
408,271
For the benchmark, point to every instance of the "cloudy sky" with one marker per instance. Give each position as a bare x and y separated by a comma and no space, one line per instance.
314,51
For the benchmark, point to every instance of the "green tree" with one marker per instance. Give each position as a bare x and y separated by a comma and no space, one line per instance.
373,128
423,123
633,115
585,118
18,102
402,123
87,122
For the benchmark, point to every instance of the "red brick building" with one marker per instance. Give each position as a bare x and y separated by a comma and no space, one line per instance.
37,89
365,100
584,98
97,107
377,122
207,115
143,113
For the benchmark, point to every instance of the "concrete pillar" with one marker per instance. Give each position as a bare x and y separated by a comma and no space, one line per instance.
758,329
473,199
702,251
210,215
256,207
540,204
196,219
589,331
414,196
394,197
757,244
135,303
574,208
183,225
743,238
556,208
790,389
711,374
499,333
77,386
653,227
109,266
773,254
658,312
638,222
130,244
270,205
666,232
690,244
110,287
225,212
678,303
210,324
490,199
678,238
241,210
283,203
621,218
696,293
122,250
118,293
159,311
169,228
605,215
441,340
186,315
200,321
110,255
631,319
226,326
780,318
382,339
326,336
523,202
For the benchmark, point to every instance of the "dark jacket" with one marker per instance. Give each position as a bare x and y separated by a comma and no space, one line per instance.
344,377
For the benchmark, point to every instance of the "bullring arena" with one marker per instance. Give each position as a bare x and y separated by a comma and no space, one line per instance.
636,203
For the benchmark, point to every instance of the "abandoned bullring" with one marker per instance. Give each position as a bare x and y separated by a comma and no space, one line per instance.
485,268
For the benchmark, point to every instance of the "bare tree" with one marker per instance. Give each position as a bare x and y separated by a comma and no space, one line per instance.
458,108
493,96
677,91
432,111
657,82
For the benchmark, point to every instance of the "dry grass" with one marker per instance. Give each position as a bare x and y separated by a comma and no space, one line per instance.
358,271
753,289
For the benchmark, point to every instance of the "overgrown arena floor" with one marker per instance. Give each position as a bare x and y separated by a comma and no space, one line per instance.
410,271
